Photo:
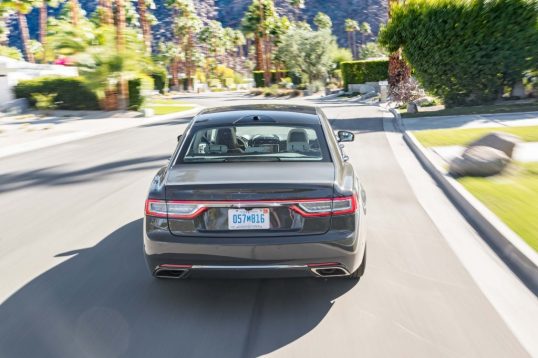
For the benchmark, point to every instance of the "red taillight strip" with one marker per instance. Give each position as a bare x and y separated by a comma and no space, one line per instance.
204,205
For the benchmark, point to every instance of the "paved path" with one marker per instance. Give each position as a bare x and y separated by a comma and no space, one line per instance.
473,121
74,283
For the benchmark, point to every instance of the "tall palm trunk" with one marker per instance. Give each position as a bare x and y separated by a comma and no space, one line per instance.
259,52
43,24
354,44
144,23
105,7
25,36
267,71
188,59
350,44
120,48
74,12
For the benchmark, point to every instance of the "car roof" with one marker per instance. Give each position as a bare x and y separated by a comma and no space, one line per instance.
266,113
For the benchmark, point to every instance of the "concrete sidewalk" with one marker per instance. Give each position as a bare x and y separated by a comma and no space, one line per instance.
24,133
472,121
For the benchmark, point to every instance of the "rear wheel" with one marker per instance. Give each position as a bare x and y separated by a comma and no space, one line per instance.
360,271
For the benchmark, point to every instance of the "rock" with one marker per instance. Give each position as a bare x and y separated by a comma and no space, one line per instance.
479,161
412,107
518,90
500,141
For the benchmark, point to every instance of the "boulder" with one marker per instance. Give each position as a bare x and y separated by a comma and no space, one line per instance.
412,107
479,161
500,141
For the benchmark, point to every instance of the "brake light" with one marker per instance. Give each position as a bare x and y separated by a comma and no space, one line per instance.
326,207
173,209
305,207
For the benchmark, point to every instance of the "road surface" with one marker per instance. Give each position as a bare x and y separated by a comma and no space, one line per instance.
74,282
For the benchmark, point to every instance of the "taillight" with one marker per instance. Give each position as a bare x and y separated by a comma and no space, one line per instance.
326,207
173,209
191,209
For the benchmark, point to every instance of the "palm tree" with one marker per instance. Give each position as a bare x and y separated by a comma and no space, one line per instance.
257,22
323,21
22,8
4,29
43,19
187,26
170,54
105,12
75,11
351,27
144,21
364,30
120,49
213,36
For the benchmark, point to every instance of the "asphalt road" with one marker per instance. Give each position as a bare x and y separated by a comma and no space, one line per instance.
74,282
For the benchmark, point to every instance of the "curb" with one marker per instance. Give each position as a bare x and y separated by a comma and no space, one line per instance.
516,254
71,137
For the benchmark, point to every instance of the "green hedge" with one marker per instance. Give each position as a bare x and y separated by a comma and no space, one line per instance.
259,80
136,100
159,80
71,92
356,72
465,52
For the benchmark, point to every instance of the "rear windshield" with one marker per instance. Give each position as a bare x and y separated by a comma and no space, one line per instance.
255,143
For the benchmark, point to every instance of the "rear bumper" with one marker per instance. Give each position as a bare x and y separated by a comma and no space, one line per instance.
290,256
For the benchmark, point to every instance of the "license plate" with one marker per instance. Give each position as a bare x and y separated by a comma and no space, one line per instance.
254,219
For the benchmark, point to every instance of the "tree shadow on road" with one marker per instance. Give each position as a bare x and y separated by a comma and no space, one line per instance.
102,302
52,176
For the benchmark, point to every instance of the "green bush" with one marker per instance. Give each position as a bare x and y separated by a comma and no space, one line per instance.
136,100
159,80
259,80
356,72
465,51
70,92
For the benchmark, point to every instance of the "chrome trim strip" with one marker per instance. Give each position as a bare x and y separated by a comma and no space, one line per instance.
250,267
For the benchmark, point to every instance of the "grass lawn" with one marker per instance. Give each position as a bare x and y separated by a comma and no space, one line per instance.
513,197
166,106
169,109
506,108
164,101
441,137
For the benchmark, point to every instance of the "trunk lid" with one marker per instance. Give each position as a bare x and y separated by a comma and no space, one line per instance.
252,186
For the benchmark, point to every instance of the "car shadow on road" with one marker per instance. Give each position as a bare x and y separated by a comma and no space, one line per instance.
102,302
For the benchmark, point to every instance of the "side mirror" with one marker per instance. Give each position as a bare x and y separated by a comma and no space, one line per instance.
345,136
179,137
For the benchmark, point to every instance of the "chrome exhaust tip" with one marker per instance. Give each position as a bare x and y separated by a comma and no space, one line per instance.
335,271
170,273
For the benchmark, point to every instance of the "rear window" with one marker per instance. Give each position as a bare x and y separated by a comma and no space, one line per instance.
255,143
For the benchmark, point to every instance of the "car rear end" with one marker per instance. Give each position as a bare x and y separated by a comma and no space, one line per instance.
252,219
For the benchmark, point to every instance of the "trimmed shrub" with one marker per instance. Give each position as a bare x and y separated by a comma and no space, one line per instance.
465,52
159,80
259,80
67,92
357,72
136,100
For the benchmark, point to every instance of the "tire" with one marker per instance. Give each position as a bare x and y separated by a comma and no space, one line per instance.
360,271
